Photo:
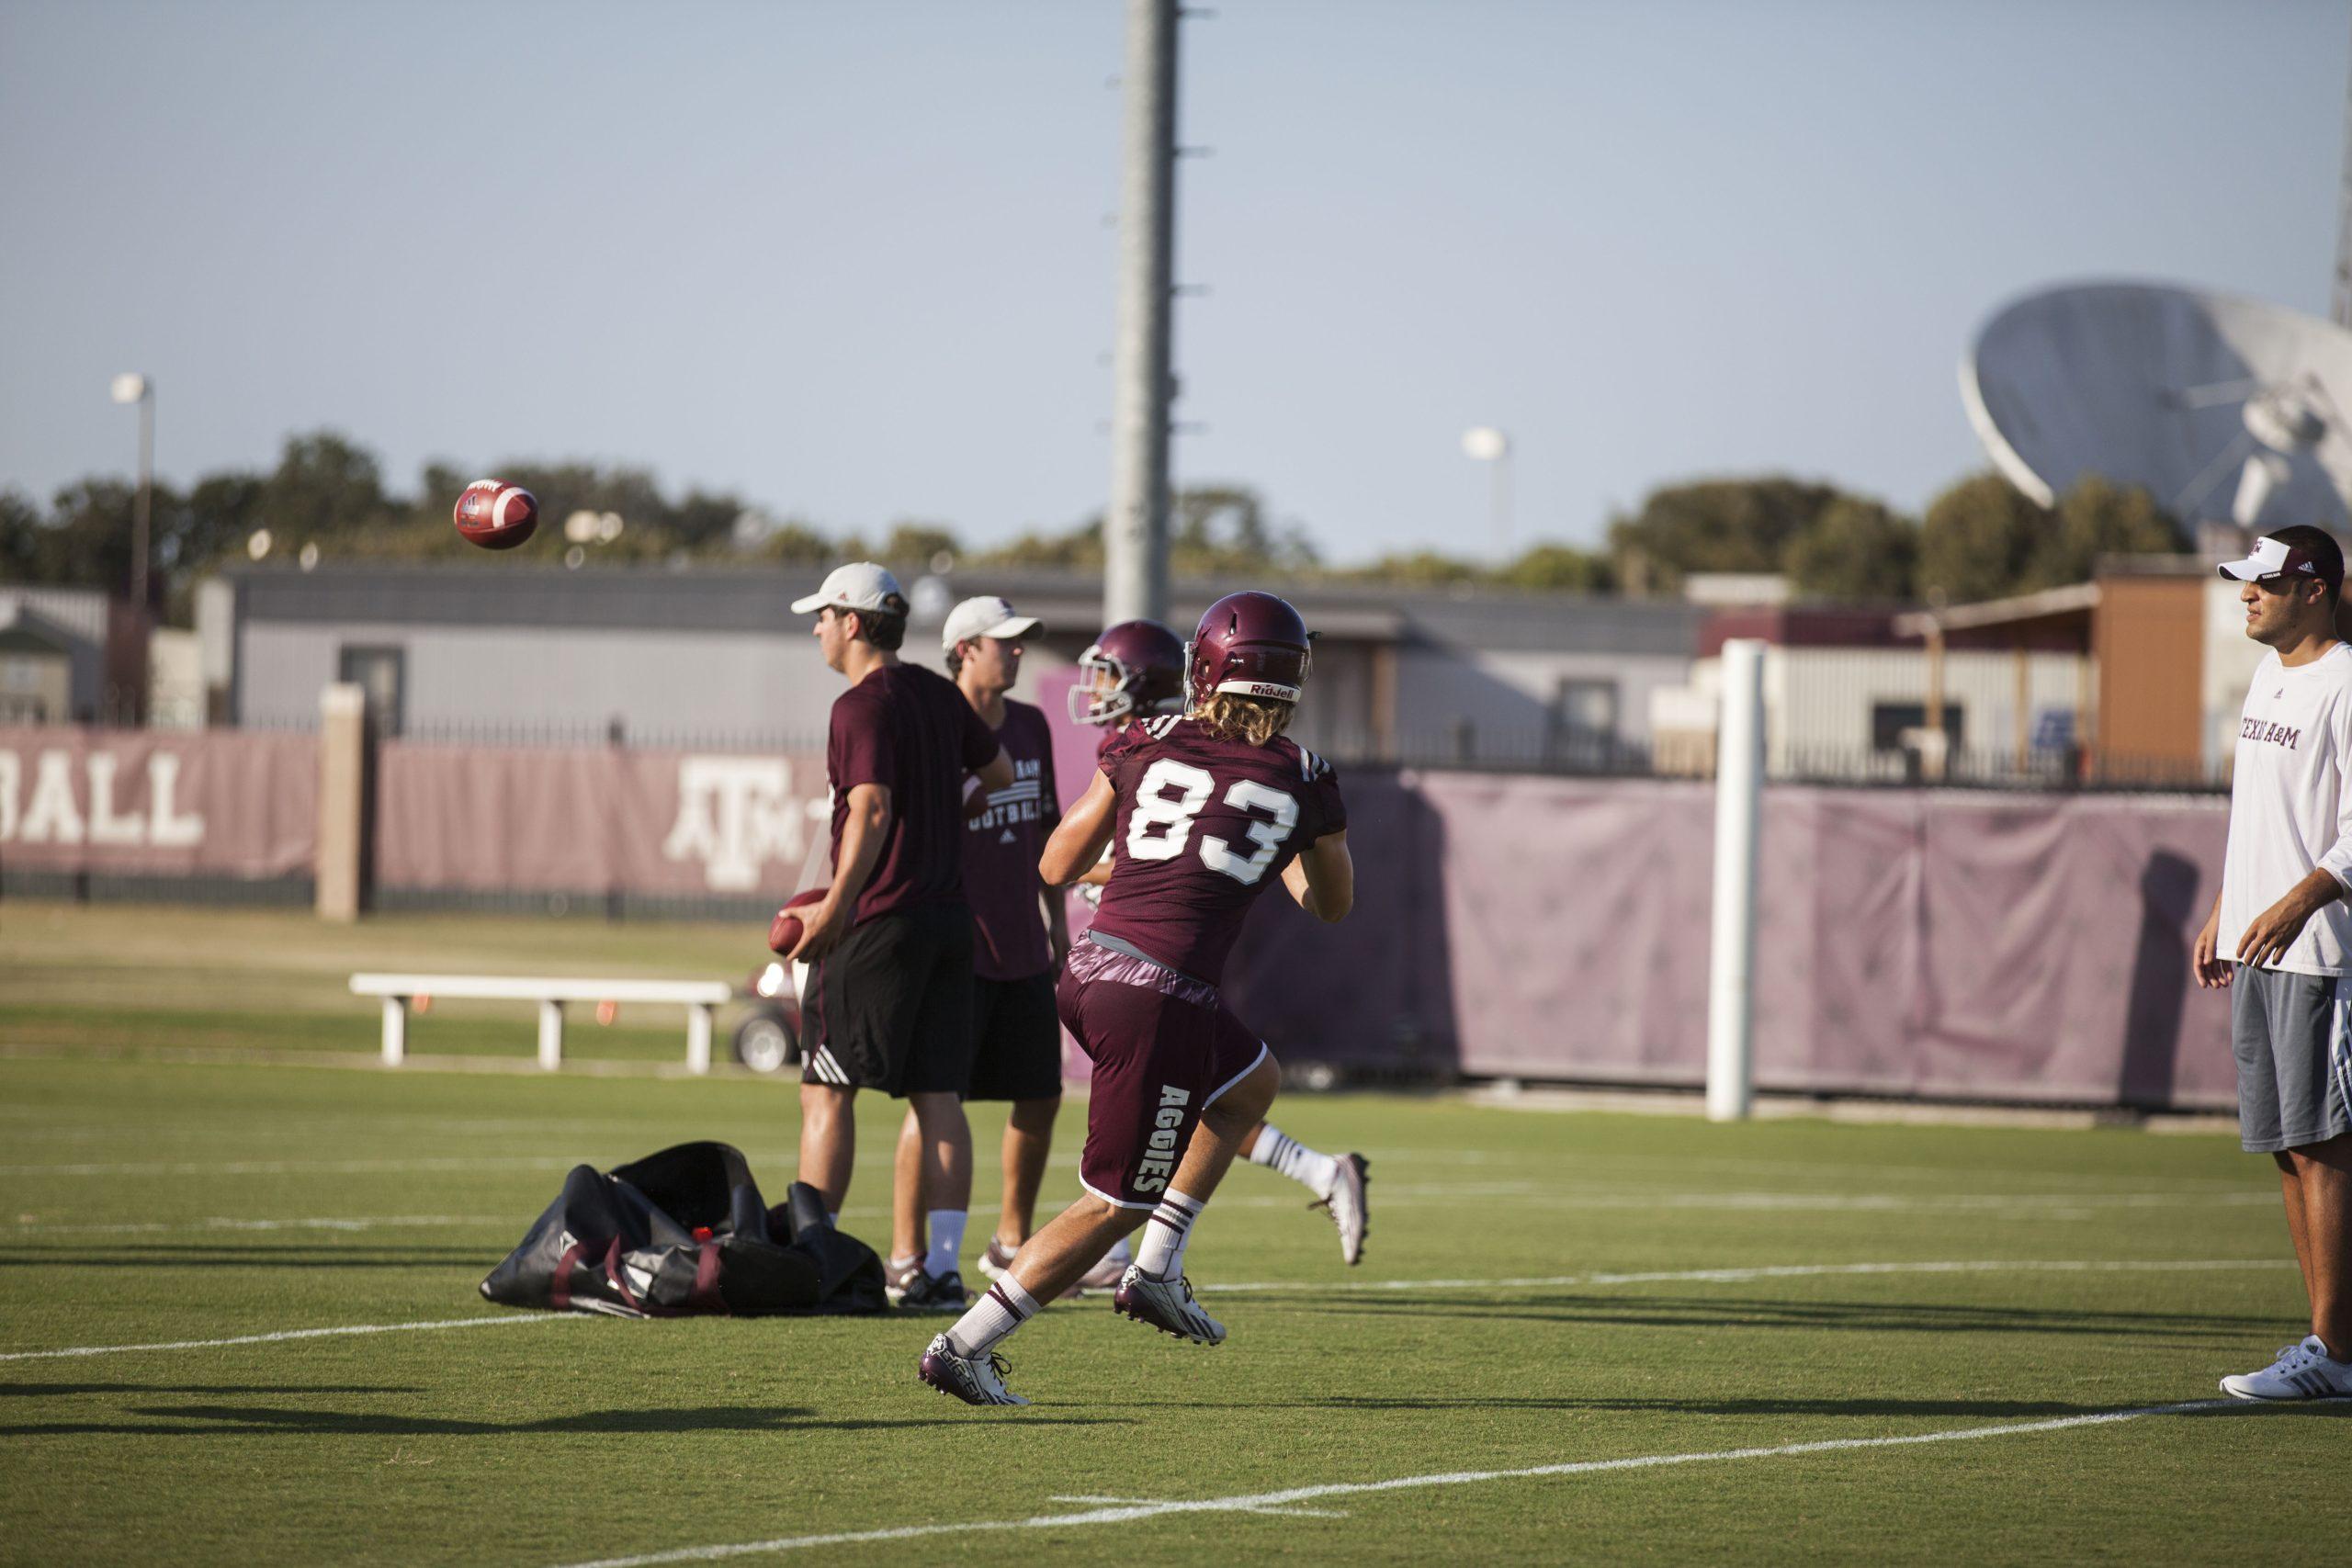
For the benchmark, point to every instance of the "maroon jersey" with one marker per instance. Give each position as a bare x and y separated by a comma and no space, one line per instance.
1000,849
907,729
1204,827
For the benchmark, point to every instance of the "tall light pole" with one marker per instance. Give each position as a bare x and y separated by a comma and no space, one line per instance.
133,387
1485,443
1135,527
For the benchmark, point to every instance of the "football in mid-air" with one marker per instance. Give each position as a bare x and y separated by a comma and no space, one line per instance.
784,932
496,515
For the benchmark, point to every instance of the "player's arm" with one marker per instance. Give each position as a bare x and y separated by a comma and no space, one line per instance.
997,775
2212,971
1081,837
862,829
1323,878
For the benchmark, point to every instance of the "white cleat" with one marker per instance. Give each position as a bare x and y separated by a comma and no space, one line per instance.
975,1380
1166,1304
1350,1205
2302,1371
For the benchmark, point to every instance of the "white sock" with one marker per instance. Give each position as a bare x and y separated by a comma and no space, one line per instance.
1004,1307
1161,1252
946,1242
897,1263
1278,1150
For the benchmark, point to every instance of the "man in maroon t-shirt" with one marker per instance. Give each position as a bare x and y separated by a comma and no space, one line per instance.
889,998
1018,949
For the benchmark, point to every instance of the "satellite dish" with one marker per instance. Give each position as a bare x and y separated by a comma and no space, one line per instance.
2205,401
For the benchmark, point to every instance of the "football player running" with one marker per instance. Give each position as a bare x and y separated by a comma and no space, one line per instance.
1133,674
1203,813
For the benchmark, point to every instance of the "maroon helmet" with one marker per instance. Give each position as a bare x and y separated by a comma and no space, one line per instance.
1251,643
1134,669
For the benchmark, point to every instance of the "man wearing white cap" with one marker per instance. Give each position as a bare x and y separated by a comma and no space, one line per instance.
2280,935
1018,947
888,1004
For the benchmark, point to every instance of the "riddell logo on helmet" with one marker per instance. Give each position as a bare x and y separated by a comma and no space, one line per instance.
1154,1169
1261,689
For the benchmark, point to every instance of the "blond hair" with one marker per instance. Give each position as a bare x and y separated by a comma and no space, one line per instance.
1251,721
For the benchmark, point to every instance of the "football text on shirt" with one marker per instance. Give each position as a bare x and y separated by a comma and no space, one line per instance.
1016,802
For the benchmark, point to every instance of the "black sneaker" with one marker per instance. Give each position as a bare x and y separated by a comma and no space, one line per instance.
921,1292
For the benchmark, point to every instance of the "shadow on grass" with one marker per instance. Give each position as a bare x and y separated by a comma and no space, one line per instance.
55,1389
200,1255
1871,1317
218,1420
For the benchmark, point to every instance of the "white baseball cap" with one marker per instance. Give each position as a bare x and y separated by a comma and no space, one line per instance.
987,615
860,585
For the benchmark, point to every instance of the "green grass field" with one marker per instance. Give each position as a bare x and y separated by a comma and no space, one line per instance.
1648,1309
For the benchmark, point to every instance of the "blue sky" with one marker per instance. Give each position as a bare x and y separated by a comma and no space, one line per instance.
853,259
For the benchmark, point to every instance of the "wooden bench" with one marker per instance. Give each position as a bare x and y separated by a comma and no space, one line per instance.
697,997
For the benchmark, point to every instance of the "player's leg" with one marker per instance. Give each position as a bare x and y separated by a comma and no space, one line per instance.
827,1086
1226,1123
2325,1174
2288,1033
907,1242
1338,1181
963,1360
1113,1024
827,1141
1028,1141
939,1067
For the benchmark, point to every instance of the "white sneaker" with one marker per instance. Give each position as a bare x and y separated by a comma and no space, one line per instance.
2302,1371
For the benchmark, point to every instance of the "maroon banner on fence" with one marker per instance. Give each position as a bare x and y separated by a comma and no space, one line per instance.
664,824
158,803
1909,943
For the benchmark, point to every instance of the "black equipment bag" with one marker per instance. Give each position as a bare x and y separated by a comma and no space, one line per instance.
682,1232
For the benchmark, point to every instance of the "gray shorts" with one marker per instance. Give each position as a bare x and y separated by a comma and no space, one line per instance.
2292,1037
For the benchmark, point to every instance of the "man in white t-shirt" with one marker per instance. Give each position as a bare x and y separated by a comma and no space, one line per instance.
2280,931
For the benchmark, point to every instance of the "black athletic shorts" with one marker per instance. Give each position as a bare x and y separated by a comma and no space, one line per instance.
891,1007
1016,1039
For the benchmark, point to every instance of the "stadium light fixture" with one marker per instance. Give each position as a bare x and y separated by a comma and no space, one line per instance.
1485,443
130,387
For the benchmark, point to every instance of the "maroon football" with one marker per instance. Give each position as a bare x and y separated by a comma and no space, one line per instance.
784,932
496,515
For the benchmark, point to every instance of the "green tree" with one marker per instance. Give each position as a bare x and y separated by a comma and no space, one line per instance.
1856,550
1979,540
2098,518
326,488
1559,569
917,543
1712,526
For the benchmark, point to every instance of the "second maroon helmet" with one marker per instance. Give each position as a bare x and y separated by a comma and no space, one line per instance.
1251,643
1134,669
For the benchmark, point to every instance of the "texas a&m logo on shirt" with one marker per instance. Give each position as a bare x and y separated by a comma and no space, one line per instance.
2252,728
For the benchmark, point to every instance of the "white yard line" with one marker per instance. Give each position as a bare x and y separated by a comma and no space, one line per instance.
1261,1502
541,1317
1768,1272
1686,1275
